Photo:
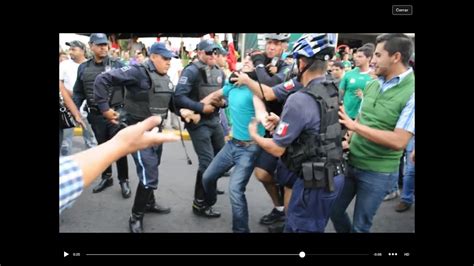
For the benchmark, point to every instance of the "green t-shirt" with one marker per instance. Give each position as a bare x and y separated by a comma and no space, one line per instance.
350,83
347,64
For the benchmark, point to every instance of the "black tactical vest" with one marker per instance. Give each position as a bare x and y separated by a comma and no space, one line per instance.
91,71
155,101
210,79
318,158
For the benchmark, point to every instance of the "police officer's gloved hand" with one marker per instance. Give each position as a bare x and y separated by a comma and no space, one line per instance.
258,59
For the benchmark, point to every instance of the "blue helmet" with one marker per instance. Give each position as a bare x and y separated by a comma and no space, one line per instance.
318,45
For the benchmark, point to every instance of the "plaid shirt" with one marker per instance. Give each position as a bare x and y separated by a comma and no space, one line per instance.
70,182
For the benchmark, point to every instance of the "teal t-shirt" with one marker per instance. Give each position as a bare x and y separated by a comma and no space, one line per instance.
240,101
350,83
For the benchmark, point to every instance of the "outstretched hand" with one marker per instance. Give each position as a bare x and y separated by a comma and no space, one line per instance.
143,134
345,119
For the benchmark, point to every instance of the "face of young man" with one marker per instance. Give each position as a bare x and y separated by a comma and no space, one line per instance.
360,59
381,61
336,72
247,65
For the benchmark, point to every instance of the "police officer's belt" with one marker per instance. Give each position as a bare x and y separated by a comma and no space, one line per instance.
242,143
95,110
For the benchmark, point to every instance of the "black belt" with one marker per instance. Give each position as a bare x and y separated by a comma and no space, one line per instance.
242,143
93,109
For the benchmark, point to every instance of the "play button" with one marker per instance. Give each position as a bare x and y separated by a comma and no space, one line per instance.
65,253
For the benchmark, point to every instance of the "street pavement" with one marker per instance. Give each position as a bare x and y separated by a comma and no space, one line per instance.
107,211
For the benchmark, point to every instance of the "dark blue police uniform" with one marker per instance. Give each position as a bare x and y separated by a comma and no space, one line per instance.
148,93
103,129
196,82
309,208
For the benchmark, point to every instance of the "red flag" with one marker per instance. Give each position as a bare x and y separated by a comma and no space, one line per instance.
231,59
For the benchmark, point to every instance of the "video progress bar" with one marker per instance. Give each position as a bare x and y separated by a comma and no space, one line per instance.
301,254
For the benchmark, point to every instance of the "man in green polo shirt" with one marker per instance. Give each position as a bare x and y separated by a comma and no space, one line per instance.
380,134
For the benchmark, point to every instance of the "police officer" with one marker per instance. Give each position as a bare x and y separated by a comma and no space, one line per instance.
267,163
198,80
83,89
309,139
149,92
271,70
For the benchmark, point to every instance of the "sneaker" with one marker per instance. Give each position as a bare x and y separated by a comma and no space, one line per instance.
392,195
205,211
277,228
273,217
402,206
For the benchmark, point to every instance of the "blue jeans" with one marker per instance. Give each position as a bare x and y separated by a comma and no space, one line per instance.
66,146
244,160
409,177
87,134
370,188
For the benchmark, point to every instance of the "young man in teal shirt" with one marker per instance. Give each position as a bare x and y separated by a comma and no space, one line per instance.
240,152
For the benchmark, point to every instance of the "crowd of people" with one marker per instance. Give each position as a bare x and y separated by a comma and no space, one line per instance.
351,140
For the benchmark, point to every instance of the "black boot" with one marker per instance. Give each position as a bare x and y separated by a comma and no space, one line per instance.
142,197
104,183
200,206
281,195
152,206
126,191
136,222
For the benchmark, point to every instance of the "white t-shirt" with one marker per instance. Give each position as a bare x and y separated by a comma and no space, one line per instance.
173,71
68,73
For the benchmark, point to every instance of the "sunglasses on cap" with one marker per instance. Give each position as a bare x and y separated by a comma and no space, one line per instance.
213,52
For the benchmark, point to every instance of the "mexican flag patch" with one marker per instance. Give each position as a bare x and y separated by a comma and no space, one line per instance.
282,129
289,85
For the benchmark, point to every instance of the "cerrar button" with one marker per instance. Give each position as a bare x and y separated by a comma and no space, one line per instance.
402,10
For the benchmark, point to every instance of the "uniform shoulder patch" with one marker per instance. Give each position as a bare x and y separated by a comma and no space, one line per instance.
282,128
289,85
183,80
125,68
